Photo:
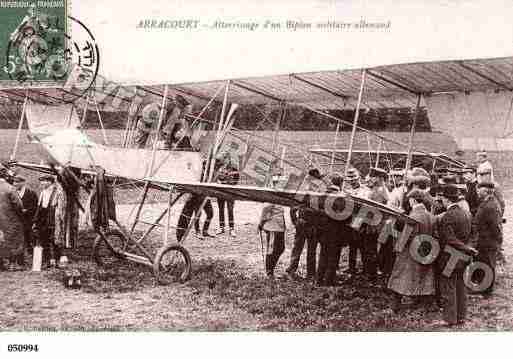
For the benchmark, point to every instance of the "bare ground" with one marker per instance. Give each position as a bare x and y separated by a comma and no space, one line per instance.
227,291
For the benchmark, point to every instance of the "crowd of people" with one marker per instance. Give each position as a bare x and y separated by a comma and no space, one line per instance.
458,207
28,220
49,219
461,207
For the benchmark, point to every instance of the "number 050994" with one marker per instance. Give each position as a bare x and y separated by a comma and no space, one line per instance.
22,348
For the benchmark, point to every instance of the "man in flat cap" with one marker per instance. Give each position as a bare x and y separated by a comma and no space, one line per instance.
454,229
488,222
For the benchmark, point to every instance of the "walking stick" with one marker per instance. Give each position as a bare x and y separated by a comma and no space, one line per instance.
262,247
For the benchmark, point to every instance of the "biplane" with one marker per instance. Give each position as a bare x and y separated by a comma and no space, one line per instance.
456,93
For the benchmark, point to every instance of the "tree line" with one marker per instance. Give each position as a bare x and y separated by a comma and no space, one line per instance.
255,117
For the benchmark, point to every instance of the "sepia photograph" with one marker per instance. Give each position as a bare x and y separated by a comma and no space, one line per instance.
254,167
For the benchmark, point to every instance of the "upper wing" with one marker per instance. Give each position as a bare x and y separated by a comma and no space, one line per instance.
389,86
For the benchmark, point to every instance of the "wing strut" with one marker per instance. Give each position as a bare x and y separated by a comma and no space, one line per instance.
355,121
18,133
412,133
332,161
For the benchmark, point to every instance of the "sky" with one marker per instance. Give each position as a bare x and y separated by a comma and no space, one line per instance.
418,31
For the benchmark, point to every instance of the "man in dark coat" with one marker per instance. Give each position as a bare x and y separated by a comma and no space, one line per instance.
469,176
305,220
228,174
44,220
409,277
487,176
488,224
454,230
29,200
354,187
369,234
11,221
333,235
191,209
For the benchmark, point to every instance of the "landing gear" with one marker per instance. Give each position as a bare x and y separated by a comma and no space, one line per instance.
172,264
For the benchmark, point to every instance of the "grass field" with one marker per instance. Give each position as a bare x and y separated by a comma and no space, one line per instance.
227,290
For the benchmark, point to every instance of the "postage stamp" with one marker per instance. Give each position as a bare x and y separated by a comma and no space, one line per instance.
33,41
39,50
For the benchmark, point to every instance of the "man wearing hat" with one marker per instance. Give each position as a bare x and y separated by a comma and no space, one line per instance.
333,235
410,278
396,188
29,200
228,174
353,186
11,221
377,185
384,259
470,180
305,219
486,175
177,130
488,221
44,219
453,229
272,224
315,181
49,222
146,121
484,167
462,189
418,178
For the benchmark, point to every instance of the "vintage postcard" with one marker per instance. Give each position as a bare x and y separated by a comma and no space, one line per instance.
257,166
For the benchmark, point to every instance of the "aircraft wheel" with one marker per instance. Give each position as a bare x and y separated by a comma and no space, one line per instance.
107,248
172,264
